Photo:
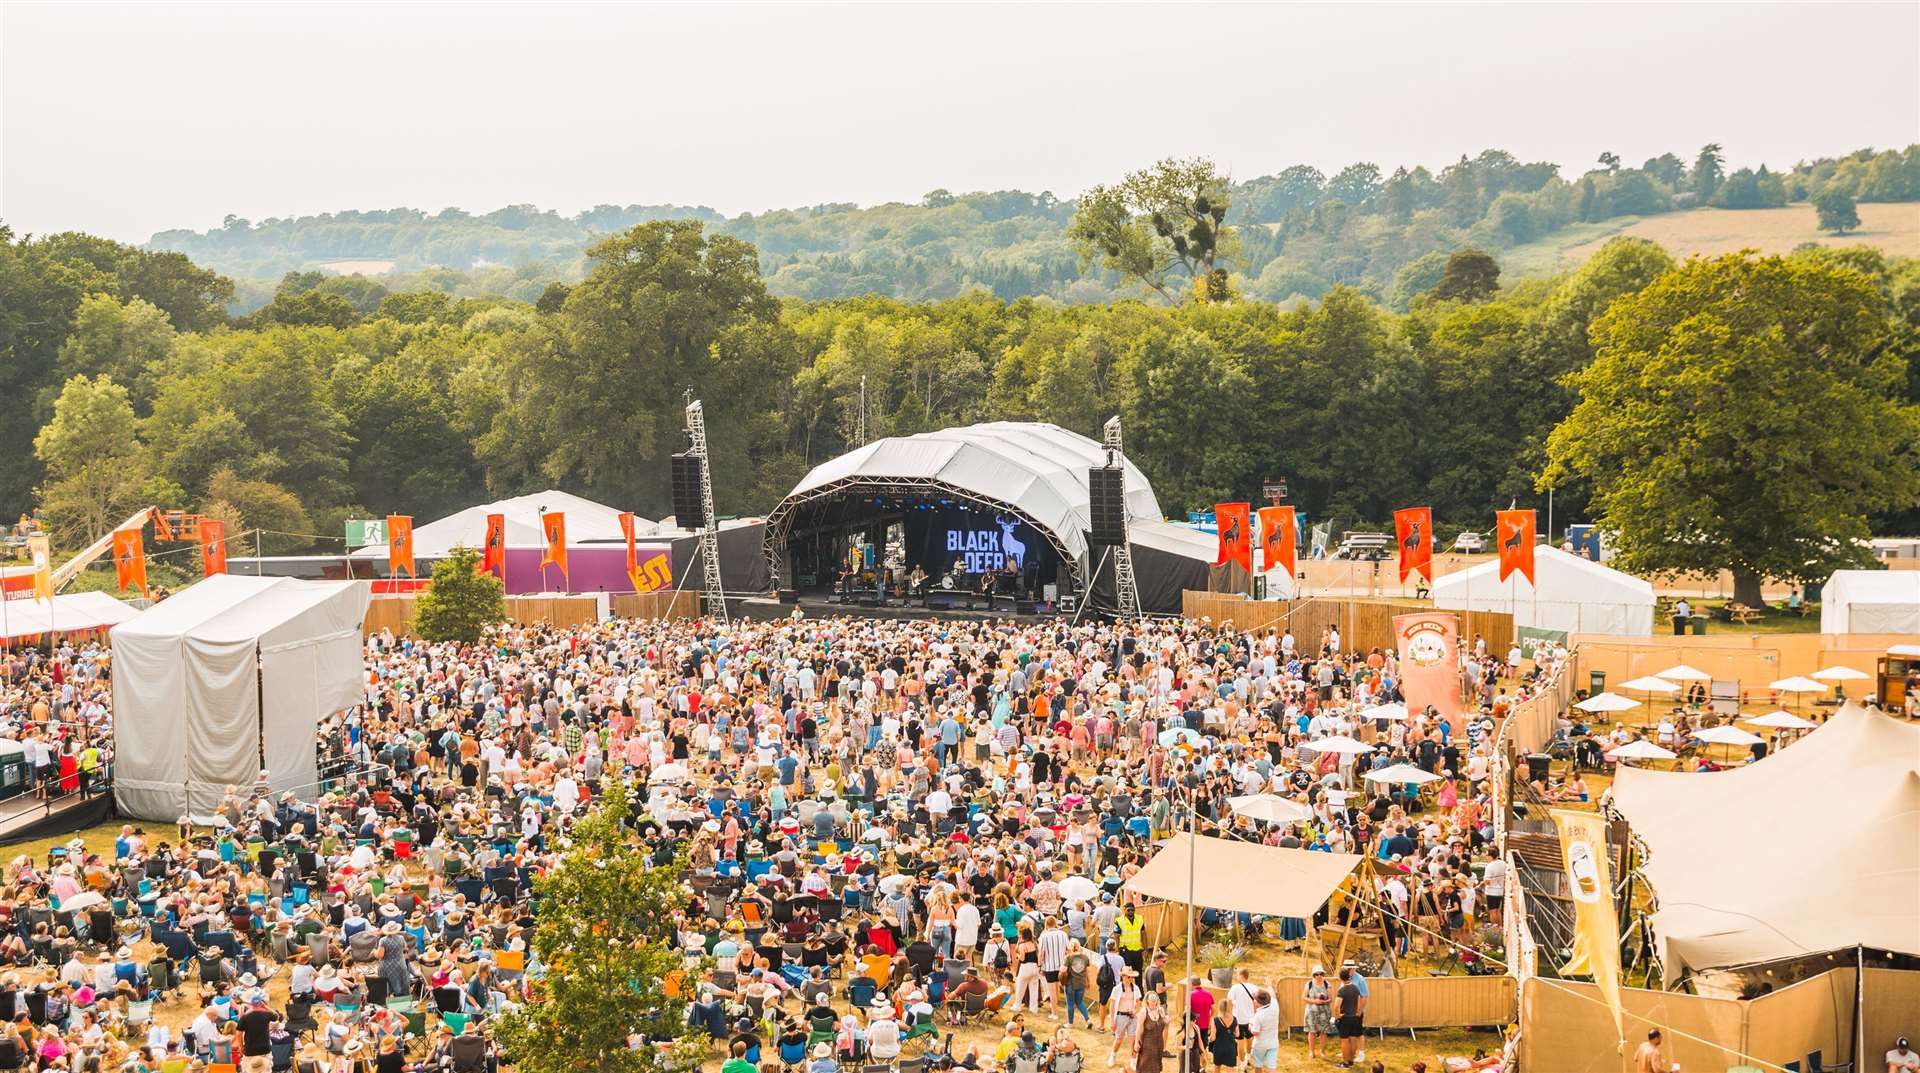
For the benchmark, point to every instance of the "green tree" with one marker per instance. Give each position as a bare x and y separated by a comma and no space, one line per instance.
1708,171
1708,421
124,340
461,603
283,522
1836,210
309,308
1470,275
96,469
606,935
1166,219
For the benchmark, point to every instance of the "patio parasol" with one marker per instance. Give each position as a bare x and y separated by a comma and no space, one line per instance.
1267,808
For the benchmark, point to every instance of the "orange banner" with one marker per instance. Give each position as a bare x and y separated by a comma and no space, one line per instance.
493,557
555,526
1236,537
1429,644
400,545
1514,528
213,545
1277,537
633,553
1413,528
130,560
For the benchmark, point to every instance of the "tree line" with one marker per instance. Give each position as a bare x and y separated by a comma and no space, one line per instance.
1303,232
324,405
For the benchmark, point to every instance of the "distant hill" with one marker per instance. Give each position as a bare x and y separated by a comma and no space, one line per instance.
1301,231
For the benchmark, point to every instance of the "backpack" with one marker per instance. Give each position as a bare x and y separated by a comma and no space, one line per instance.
1105,978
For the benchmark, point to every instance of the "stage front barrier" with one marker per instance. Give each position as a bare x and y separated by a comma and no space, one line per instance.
1418,1002
1363,624
1565,1025
396,612
657,605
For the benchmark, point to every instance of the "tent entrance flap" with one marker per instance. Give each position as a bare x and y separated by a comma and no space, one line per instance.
1242,877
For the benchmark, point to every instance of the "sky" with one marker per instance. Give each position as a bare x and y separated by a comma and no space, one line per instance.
124,120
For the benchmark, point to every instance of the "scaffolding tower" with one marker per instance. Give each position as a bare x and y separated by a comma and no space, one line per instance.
713,598
1126,590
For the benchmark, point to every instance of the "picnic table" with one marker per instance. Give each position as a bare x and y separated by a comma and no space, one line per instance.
1741,613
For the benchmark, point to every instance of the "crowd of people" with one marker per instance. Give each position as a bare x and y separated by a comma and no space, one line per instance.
885,822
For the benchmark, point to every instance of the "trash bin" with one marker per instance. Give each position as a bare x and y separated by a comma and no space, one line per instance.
1700,625
1537,766
1596,683
1679,625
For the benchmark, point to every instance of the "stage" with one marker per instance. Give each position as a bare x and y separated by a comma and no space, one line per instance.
822,606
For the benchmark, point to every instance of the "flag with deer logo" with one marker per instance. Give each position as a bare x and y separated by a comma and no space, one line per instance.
1234,524
555,526
400,545
213,546
1514,530
493,555
1413,530
1277,536
130,560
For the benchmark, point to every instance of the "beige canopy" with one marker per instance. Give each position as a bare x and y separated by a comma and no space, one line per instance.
1242,877
1814,849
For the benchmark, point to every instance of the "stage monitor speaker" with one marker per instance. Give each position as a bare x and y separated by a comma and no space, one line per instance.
1107,504
688,509
789,596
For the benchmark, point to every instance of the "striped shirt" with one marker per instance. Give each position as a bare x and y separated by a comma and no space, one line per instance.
1053,949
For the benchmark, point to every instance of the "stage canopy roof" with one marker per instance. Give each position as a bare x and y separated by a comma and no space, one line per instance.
1242,877
1575,594
587,523
1039,470
1814,849
1871,601
206,680
67,612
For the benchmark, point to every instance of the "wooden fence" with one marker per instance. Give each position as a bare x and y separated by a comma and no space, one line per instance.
396,612
1363,624
657,605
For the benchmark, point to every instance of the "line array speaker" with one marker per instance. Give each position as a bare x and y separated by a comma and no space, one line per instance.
688,509
1107,504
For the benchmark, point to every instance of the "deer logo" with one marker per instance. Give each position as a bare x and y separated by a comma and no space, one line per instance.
1512,543
1412,543
1010,546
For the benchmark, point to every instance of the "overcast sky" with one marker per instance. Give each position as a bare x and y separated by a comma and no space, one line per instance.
127,119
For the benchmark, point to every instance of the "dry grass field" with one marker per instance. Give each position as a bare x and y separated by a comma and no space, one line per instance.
1892,227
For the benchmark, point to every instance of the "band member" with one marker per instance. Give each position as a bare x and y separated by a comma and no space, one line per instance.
917,581
1009,578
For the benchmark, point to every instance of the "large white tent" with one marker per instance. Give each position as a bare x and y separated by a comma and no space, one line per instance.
587,523
1574,594
67,612
1871,601
227,677
1815,848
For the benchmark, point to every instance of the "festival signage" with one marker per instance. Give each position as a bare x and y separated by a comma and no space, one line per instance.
42,556
1277,536
1532,637
1514,530
364,531
1429,643
1413,530
1233,523
213,545
130,560
1596,930
555,527
982,550
400,545
493,554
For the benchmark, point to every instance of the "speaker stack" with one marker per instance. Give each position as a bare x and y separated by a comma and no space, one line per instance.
689,509
1107,503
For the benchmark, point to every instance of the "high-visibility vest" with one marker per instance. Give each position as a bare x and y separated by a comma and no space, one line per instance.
1130,930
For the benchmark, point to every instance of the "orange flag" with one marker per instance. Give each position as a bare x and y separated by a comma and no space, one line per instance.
400,545
493,557
633,553
130,560
555,526
1514,528
213,545
1277,536
1413,527
1236,537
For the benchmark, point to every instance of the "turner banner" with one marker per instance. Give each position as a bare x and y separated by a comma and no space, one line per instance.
1233,522
1413,528
1429,644
1514,528
1278,532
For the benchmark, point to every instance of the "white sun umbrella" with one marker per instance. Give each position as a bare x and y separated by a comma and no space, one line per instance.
1640,749
1607,702
1781,721
1904,650
1727,735
1650,684
1839,674
1267,808
1402,773
1339,743
1683,673
86,899
1797,684
1179,736
1394,711
1077,889
673,772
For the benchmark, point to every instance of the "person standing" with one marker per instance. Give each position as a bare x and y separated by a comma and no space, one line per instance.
1317,1000
1150,1036
1265,1054
1123,1012
1647,1057
1350,1020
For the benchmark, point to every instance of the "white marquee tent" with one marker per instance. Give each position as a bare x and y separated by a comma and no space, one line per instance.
67,612
1871,601
207,679
1814,849
1575,594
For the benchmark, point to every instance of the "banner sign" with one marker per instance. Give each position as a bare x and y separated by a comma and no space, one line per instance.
364,531
1413,529
1278,533
493,554
42,555
213,546
1429,643
1596,930
555,527
400,545
1532,637
130,560
1235,524
981,550
591,568
1514,529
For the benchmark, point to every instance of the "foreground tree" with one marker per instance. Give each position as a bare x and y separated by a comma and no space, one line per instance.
606,937
461,603
1744,413
1157,223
